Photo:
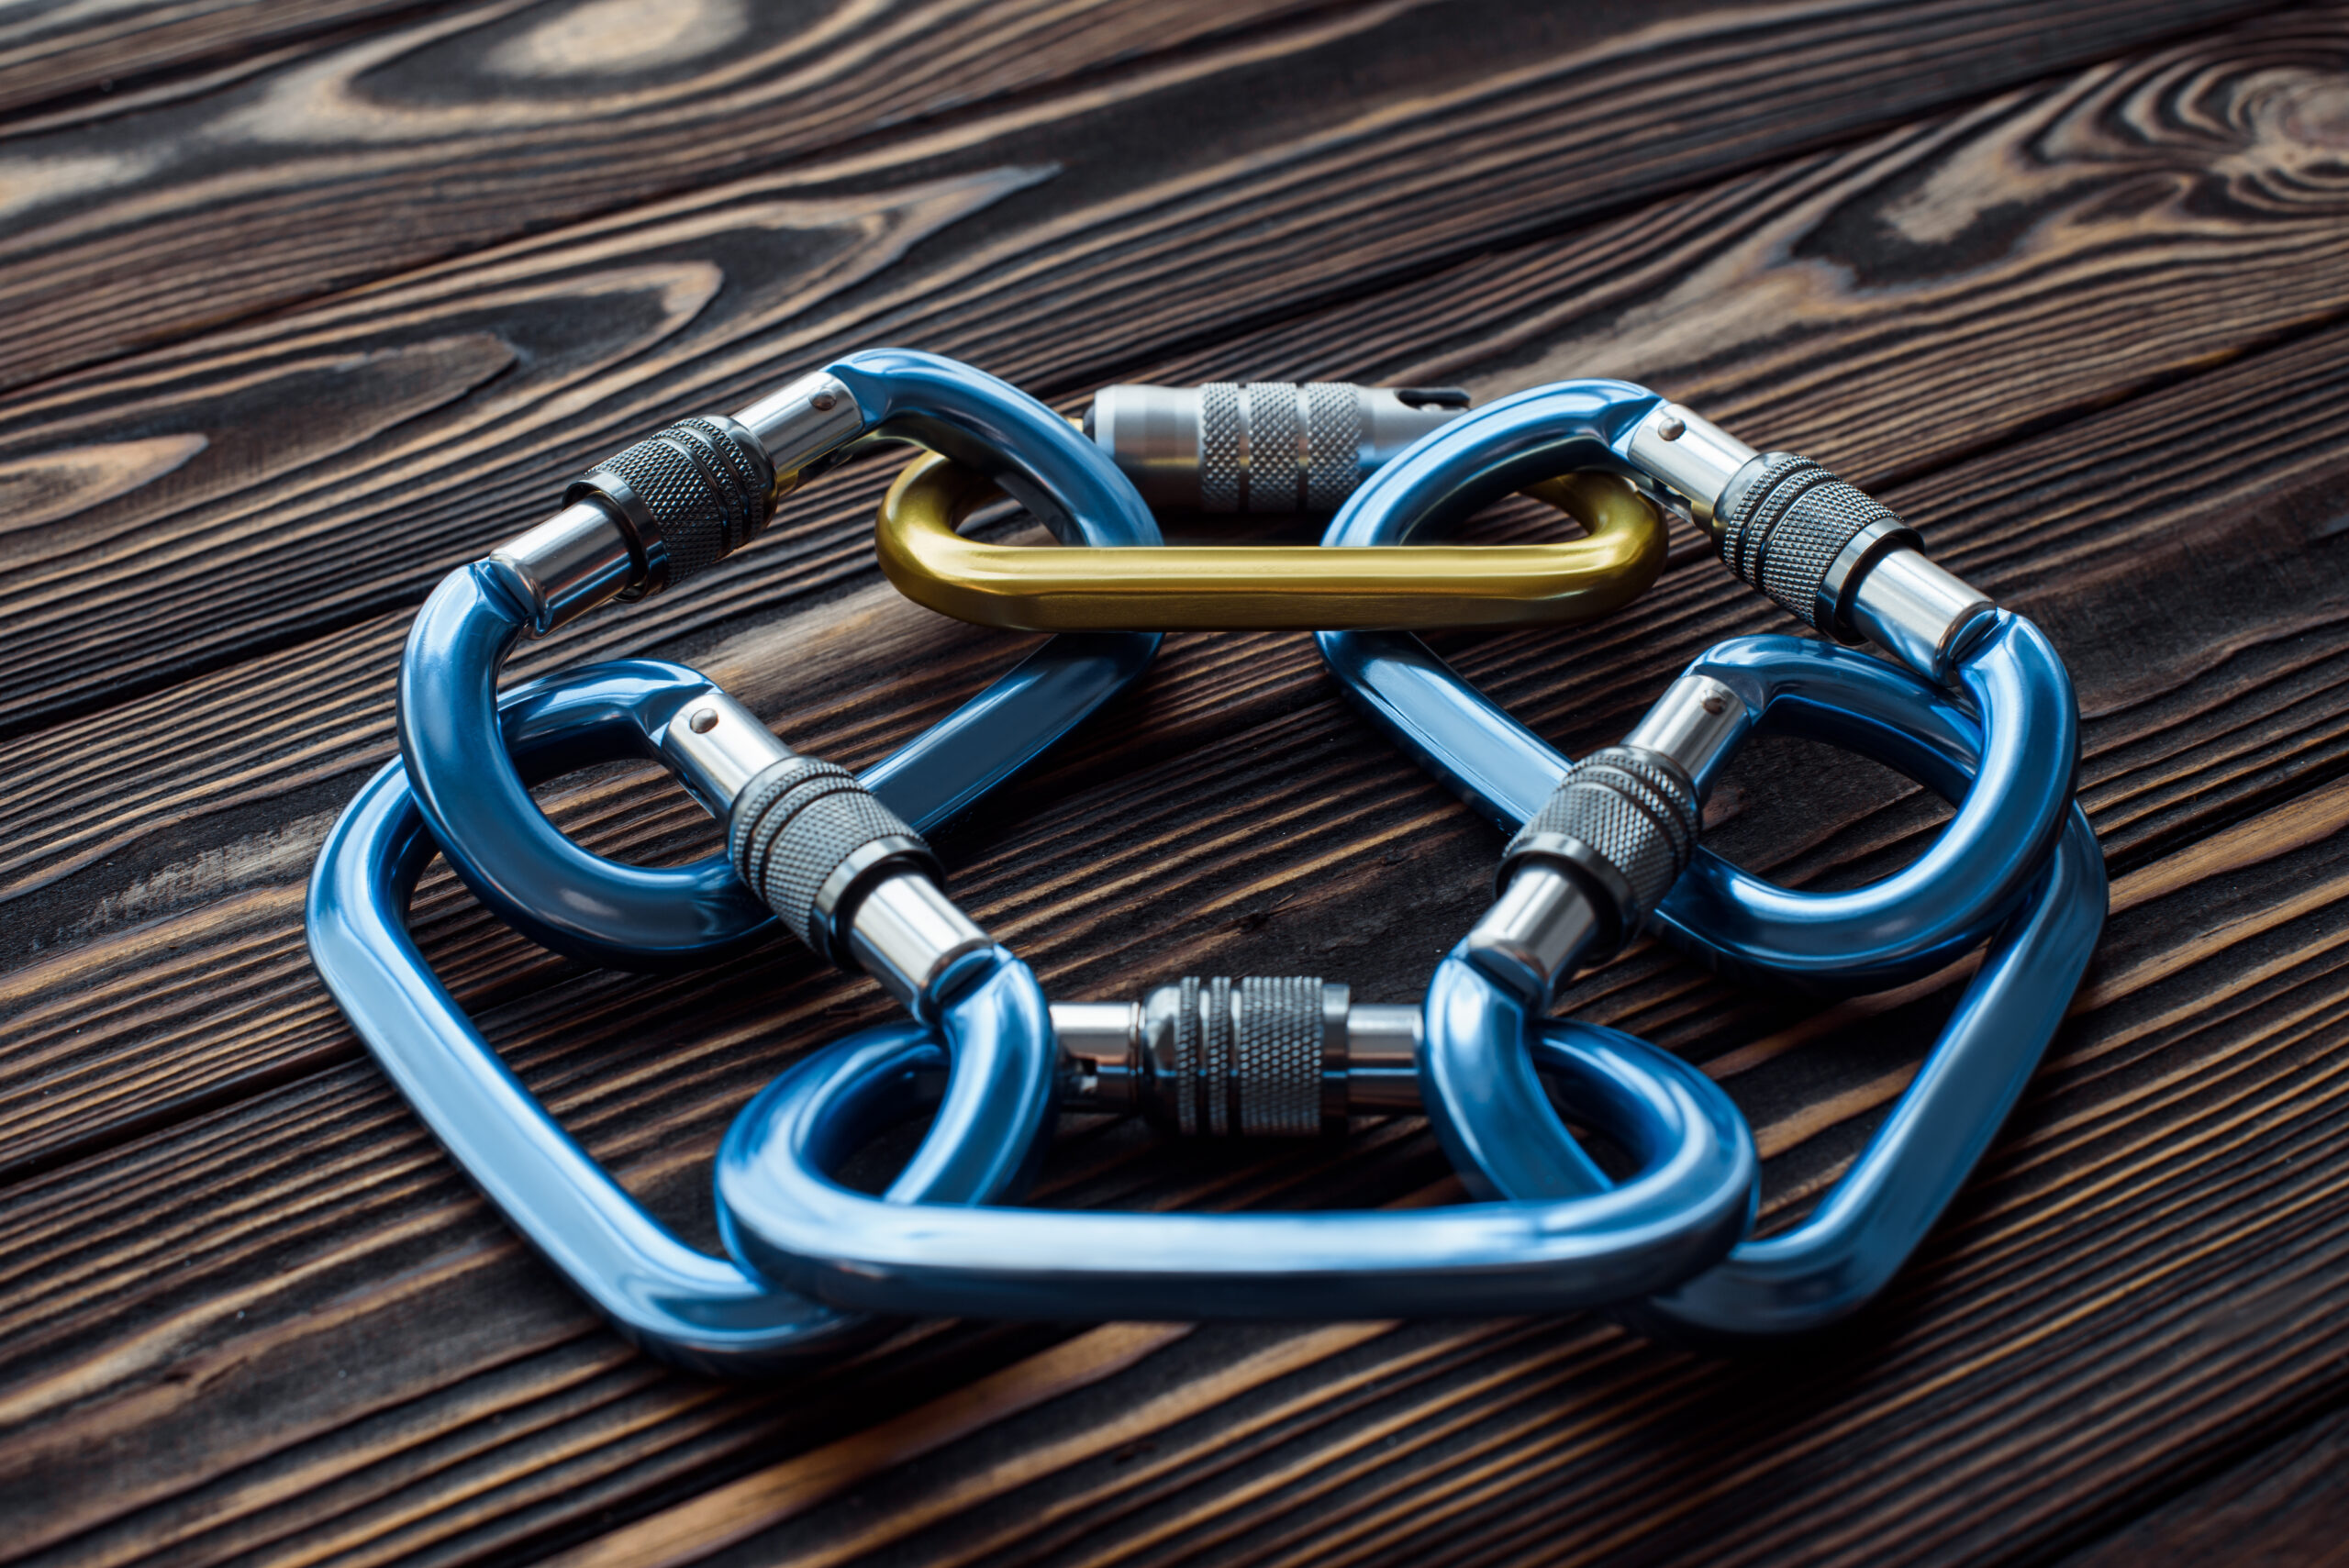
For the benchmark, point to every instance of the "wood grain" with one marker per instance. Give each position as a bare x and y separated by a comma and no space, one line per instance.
108,50
471,126
2285,1507
2066,289
578,341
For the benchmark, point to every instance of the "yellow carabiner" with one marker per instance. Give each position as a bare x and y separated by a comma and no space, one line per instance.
1264,587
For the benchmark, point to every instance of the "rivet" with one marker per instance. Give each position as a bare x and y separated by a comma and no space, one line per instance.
822,402
1670,428
704,720
1713,702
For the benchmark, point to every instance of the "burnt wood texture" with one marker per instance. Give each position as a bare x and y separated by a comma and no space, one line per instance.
306,303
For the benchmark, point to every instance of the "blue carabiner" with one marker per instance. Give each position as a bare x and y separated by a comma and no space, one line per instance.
674,504
1907,926
1857,1239
2016,867
700,1312
1693,1196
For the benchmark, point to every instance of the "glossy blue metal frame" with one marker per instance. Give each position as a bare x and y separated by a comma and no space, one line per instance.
699,1311
606,912
1836,1259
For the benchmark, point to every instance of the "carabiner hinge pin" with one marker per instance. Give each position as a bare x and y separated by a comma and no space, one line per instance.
1690,453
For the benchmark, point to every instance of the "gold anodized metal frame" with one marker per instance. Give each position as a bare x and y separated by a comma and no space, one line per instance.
1263,587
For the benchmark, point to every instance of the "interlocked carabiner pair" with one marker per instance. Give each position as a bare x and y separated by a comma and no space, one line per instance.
2016,867
676,504
699,1311
640,522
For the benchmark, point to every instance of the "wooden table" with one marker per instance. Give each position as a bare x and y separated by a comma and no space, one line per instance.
306,303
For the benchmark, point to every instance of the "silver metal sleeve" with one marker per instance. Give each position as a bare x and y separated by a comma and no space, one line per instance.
909,935
1263,446
1696,723
1606,848
803,423
1919,613
1252,1057
567,565
1805,538
814,845
1690,453
1538,932
716,746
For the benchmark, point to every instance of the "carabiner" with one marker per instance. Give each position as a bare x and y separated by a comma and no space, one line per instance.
699,1311
1585,1244
2016,866
1217,447
665,508
1818,547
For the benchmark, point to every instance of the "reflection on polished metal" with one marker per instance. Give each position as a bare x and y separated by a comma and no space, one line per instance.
909,935
1260,446
645,520
1919,613
715,747
1691,453
1286,1055
1295,587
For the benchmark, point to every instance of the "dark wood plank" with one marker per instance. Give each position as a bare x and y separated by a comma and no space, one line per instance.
253,1313
2286,1507
106,50
473,127
458,402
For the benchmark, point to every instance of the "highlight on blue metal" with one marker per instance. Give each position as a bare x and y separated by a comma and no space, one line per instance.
606,912
699,1311
2018,867
1692,1198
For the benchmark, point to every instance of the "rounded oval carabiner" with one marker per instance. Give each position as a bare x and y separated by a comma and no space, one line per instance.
1261,587
780,1212
674,504
701,1312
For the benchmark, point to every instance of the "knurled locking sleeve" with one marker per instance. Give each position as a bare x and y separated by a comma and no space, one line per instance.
1783,521
1246,1057
795,825
1627,819
692,495
1279,446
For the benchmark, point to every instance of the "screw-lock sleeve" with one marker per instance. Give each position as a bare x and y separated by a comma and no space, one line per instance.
795,835
692,495
1784,523
1625,821
1241,1056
